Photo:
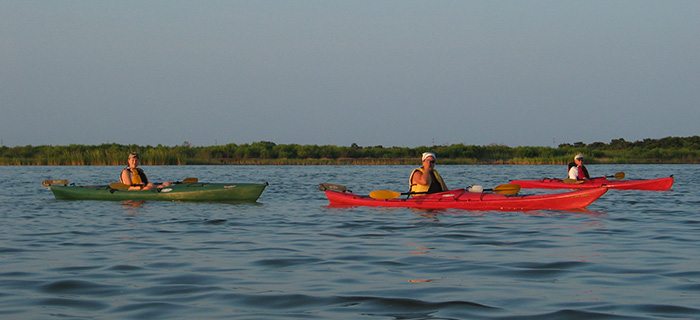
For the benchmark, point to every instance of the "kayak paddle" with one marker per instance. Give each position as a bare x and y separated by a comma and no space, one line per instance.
505,189
386,194
121,186
618,176
188,180
118,186
48,183
332,187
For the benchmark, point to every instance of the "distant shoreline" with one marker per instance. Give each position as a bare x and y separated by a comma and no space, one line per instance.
348,162
670,150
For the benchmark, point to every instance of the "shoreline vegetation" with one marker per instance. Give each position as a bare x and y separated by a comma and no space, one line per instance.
669,150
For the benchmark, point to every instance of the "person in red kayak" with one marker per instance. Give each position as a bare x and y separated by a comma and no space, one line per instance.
426,179
134,177
577,171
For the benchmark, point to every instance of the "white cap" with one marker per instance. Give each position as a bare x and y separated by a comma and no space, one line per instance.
427,154
578,156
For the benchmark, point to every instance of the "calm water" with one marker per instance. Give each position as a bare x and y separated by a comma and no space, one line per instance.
632,255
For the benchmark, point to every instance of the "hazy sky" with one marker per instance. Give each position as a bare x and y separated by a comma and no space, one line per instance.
392,73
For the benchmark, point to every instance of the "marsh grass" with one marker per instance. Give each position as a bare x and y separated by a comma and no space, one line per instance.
666,150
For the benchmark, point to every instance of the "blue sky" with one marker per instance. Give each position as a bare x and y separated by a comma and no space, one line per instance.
393,73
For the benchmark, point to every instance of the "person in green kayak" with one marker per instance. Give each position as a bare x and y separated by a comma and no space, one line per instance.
577,171
135,177
426,179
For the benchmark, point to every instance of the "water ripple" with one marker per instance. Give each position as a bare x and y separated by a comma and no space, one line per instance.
79,287
151,310
73,303
5,250
286,262
177,290
574,315
124,268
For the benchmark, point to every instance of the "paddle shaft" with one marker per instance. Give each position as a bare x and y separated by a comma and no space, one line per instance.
618,176
122,186
425,192
506,189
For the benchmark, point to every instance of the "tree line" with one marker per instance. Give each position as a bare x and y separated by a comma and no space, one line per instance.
665,150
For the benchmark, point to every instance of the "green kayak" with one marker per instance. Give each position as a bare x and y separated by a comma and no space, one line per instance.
211,192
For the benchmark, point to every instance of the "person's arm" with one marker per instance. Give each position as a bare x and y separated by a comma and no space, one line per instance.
573,173
422,178
126,179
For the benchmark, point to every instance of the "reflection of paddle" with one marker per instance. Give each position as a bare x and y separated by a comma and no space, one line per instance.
121,186
618,176
505,189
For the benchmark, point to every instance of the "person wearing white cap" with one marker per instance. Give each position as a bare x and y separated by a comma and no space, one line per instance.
577,171
426,179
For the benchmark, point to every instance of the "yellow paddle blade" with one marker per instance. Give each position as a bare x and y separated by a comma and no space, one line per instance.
48,183
507,189
118,186
190,180
384,194
620,175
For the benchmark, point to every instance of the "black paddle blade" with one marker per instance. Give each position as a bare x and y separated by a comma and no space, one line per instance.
332,187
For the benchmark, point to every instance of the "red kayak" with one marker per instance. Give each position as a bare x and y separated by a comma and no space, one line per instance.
463,199
659,184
